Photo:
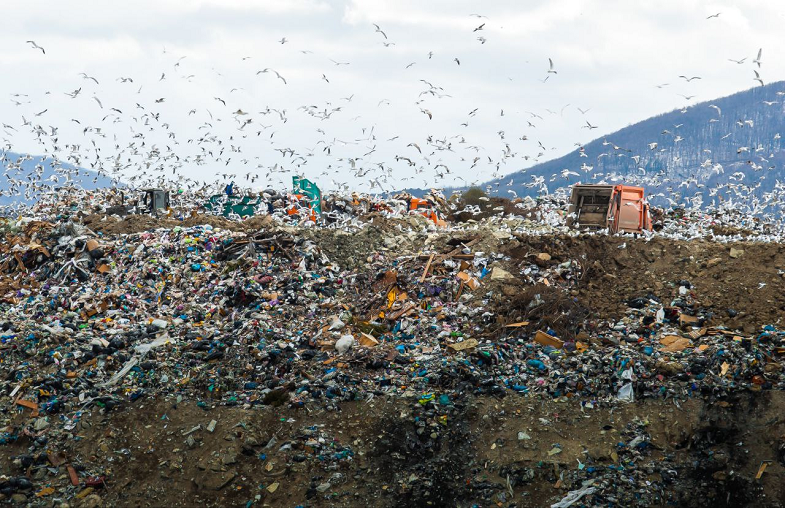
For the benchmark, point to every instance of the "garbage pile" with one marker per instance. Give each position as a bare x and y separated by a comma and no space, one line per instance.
264,318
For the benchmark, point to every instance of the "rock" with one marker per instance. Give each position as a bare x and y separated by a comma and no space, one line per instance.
229,457
736,253
714,262
19,498
92,501
544,256
500,274
40,424
215,481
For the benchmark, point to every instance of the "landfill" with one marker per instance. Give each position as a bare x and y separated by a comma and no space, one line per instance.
375,357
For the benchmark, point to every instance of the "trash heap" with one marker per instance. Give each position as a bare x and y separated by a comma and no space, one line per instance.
264,318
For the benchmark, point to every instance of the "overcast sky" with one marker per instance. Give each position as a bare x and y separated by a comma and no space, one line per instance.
609,57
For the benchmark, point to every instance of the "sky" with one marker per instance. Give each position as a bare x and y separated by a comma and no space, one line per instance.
451,93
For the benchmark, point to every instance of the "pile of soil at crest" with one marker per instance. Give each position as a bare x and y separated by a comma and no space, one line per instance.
741,291
138,223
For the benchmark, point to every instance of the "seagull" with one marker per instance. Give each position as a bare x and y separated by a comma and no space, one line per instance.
584,111
283,40
757,77
478,28
36,46
690,79
719,111
457,61
757,60
427,112
276,73
687,97
339,63
714,15
589,126
98,101
379,30
737,61
85,76
550,67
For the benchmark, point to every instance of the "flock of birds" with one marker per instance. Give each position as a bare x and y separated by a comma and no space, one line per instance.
139,147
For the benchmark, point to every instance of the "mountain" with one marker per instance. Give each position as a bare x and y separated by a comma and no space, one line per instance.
21,170
686,154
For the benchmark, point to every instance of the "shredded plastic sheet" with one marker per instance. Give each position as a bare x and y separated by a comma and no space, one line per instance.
574,496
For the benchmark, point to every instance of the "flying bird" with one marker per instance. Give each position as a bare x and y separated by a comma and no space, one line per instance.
85,76
273,70
690,79
737,61
550,67
379,30
714,15
479,28
757,77
36,46
757,59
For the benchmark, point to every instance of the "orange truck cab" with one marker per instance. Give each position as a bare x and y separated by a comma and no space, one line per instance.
616,207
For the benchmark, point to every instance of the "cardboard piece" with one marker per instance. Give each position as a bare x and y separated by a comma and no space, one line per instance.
674,343
463,346
548,340
367,340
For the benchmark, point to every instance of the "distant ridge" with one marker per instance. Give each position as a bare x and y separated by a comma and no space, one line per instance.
734,139
53,175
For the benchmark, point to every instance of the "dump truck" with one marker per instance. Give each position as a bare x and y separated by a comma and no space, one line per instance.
615,207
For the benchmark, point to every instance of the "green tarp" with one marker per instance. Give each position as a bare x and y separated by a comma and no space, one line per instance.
309,189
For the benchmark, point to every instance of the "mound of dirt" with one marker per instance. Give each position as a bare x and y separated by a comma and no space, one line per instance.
741,283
